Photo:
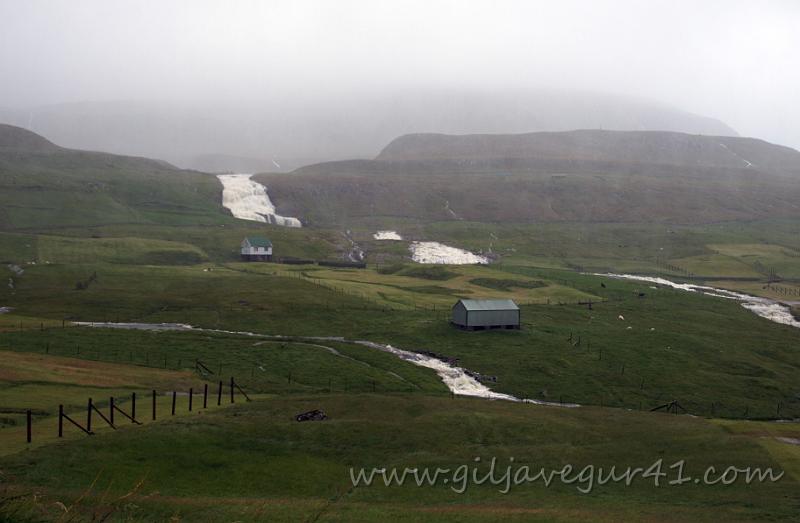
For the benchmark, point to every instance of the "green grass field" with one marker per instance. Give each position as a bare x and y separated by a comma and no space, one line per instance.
252,462
671,344
75,188
114,239
42,382
78,363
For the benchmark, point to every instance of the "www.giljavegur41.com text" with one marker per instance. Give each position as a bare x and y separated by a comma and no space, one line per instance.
584,478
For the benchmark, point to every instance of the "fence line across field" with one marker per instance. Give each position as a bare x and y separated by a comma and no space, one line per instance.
114,408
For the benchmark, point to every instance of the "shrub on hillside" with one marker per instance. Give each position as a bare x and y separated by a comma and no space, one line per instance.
393,268
164,257
431,272
507,285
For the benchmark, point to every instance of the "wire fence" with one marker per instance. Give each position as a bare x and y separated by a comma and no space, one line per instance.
115,413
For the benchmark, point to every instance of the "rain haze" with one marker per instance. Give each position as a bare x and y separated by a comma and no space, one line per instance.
303,81
413,261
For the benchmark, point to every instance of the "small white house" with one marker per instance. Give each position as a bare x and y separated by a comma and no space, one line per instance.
256,248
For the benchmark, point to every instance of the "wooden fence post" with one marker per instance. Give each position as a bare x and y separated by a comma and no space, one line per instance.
28,415
61,421
191,394
174,397
219,394
154,405
246,397
133,407
111,409
89,416
205,396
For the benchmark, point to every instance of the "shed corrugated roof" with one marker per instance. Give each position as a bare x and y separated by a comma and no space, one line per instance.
489,305
258,241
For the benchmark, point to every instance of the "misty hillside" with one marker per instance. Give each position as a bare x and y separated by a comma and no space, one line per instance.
43,185
16,139
597,146
577,176
284,133
583,176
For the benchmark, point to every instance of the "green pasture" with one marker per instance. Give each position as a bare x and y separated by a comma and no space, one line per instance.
252,462
710,354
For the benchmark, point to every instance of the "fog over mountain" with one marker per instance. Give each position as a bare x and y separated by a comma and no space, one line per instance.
273,85
283,134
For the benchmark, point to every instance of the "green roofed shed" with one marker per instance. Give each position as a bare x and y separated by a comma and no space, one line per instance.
258,241
486,314
256,248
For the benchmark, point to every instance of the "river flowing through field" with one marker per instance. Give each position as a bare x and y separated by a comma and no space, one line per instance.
458,380
765,307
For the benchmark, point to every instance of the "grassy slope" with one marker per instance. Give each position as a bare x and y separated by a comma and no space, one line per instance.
679,345
42,382
604,196
68,366
159,245
715,251
591,145
72,188
586,176
259,365
546,178
143,227
740,249
266,466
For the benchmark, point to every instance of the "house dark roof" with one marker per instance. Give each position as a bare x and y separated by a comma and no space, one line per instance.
258,241
489,305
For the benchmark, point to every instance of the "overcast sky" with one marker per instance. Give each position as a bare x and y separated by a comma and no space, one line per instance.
733,60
